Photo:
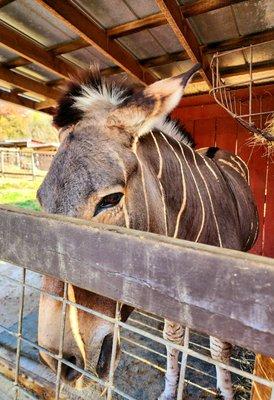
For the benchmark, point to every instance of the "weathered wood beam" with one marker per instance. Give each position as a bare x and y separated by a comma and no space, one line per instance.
238,70
182,56
211,290
56,50
237,43
28,84
97,37
19,100
136,26
67,47
185,35
188,10
76,44
15,41
152,62
5,2
43,105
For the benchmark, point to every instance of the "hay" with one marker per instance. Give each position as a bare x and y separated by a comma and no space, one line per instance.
266,138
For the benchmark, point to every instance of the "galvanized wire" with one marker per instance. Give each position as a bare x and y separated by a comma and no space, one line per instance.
109,384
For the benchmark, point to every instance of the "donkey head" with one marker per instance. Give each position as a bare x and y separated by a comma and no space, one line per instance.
96,174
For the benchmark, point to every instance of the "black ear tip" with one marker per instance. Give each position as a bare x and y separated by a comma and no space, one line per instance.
188,75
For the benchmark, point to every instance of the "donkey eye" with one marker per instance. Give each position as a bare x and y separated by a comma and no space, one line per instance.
111,200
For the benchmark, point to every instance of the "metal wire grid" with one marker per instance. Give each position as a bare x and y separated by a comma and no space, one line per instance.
24,163
225,93
109,385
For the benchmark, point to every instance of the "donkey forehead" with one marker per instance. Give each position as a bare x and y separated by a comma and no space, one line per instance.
81,167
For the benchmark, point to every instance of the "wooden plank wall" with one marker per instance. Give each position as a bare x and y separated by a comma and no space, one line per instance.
210,125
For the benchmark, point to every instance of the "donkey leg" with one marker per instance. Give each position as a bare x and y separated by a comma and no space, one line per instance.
221,351
174,333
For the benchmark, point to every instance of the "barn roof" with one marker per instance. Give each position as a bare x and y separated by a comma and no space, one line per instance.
45,42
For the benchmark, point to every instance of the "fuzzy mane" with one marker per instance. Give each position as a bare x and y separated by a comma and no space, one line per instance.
95,90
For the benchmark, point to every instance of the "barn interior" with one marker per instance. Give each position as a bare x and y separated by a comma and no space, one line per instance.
44,43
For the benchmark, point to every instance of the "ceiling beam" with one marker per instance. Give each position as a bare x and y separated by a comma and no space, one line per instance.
19,100
28,84
56,50
185,35
237,43
15,41
152,62
97,37
238,70
188,10
42,105
230,44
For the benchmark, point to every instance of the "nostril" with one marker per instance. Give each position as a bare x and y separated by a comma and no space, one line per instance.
69,373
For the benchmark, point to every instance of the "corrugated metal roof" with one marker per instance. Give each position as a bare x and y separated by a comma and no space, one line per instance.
142,8
254,16
142,45
35,22
166,37
87,56
215,26
107,13
261,53
6,55
38,73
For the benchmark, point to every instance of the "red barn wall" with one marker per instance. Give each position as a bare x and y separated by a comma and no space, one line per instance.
211,125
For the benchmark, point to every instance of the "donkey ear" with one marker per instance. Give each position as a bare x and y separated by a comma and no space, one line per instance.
140,112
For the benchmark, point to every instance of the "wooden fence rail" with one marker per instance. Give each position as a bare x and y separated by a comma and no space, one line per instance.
220,292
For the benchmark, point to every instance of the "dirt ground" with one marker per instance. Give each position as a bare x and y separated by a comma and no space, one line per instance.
140,373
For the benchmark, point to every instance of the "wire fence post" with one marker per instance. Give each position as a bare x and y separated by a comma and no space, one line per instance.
114,350
61,341
19,335
183,366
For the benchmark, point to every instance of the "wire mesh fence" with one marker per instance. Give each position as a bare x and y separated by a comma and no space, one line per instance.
138,340
24,163
140,374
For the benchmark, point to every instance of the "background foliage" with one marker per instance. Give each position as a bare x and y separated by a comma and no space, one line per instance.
18,122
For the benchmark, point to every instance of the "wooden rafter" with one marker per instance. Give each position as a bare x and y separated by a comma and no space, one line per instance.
43,105
56,50
235,43
152,62
188,10
238,70
97,37
15,41
185,35
28,84
19,100
230,44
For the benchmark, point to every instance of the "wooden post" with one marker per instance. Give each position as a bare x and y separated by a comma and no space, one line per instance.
33,165
2,163
264,367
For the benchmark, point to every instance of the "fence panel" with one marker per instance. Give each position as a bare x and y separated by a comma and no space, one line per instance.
211,290
23,163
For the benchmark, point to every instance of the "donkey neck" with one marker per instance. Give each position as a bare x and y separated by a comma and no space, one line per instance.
196,202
